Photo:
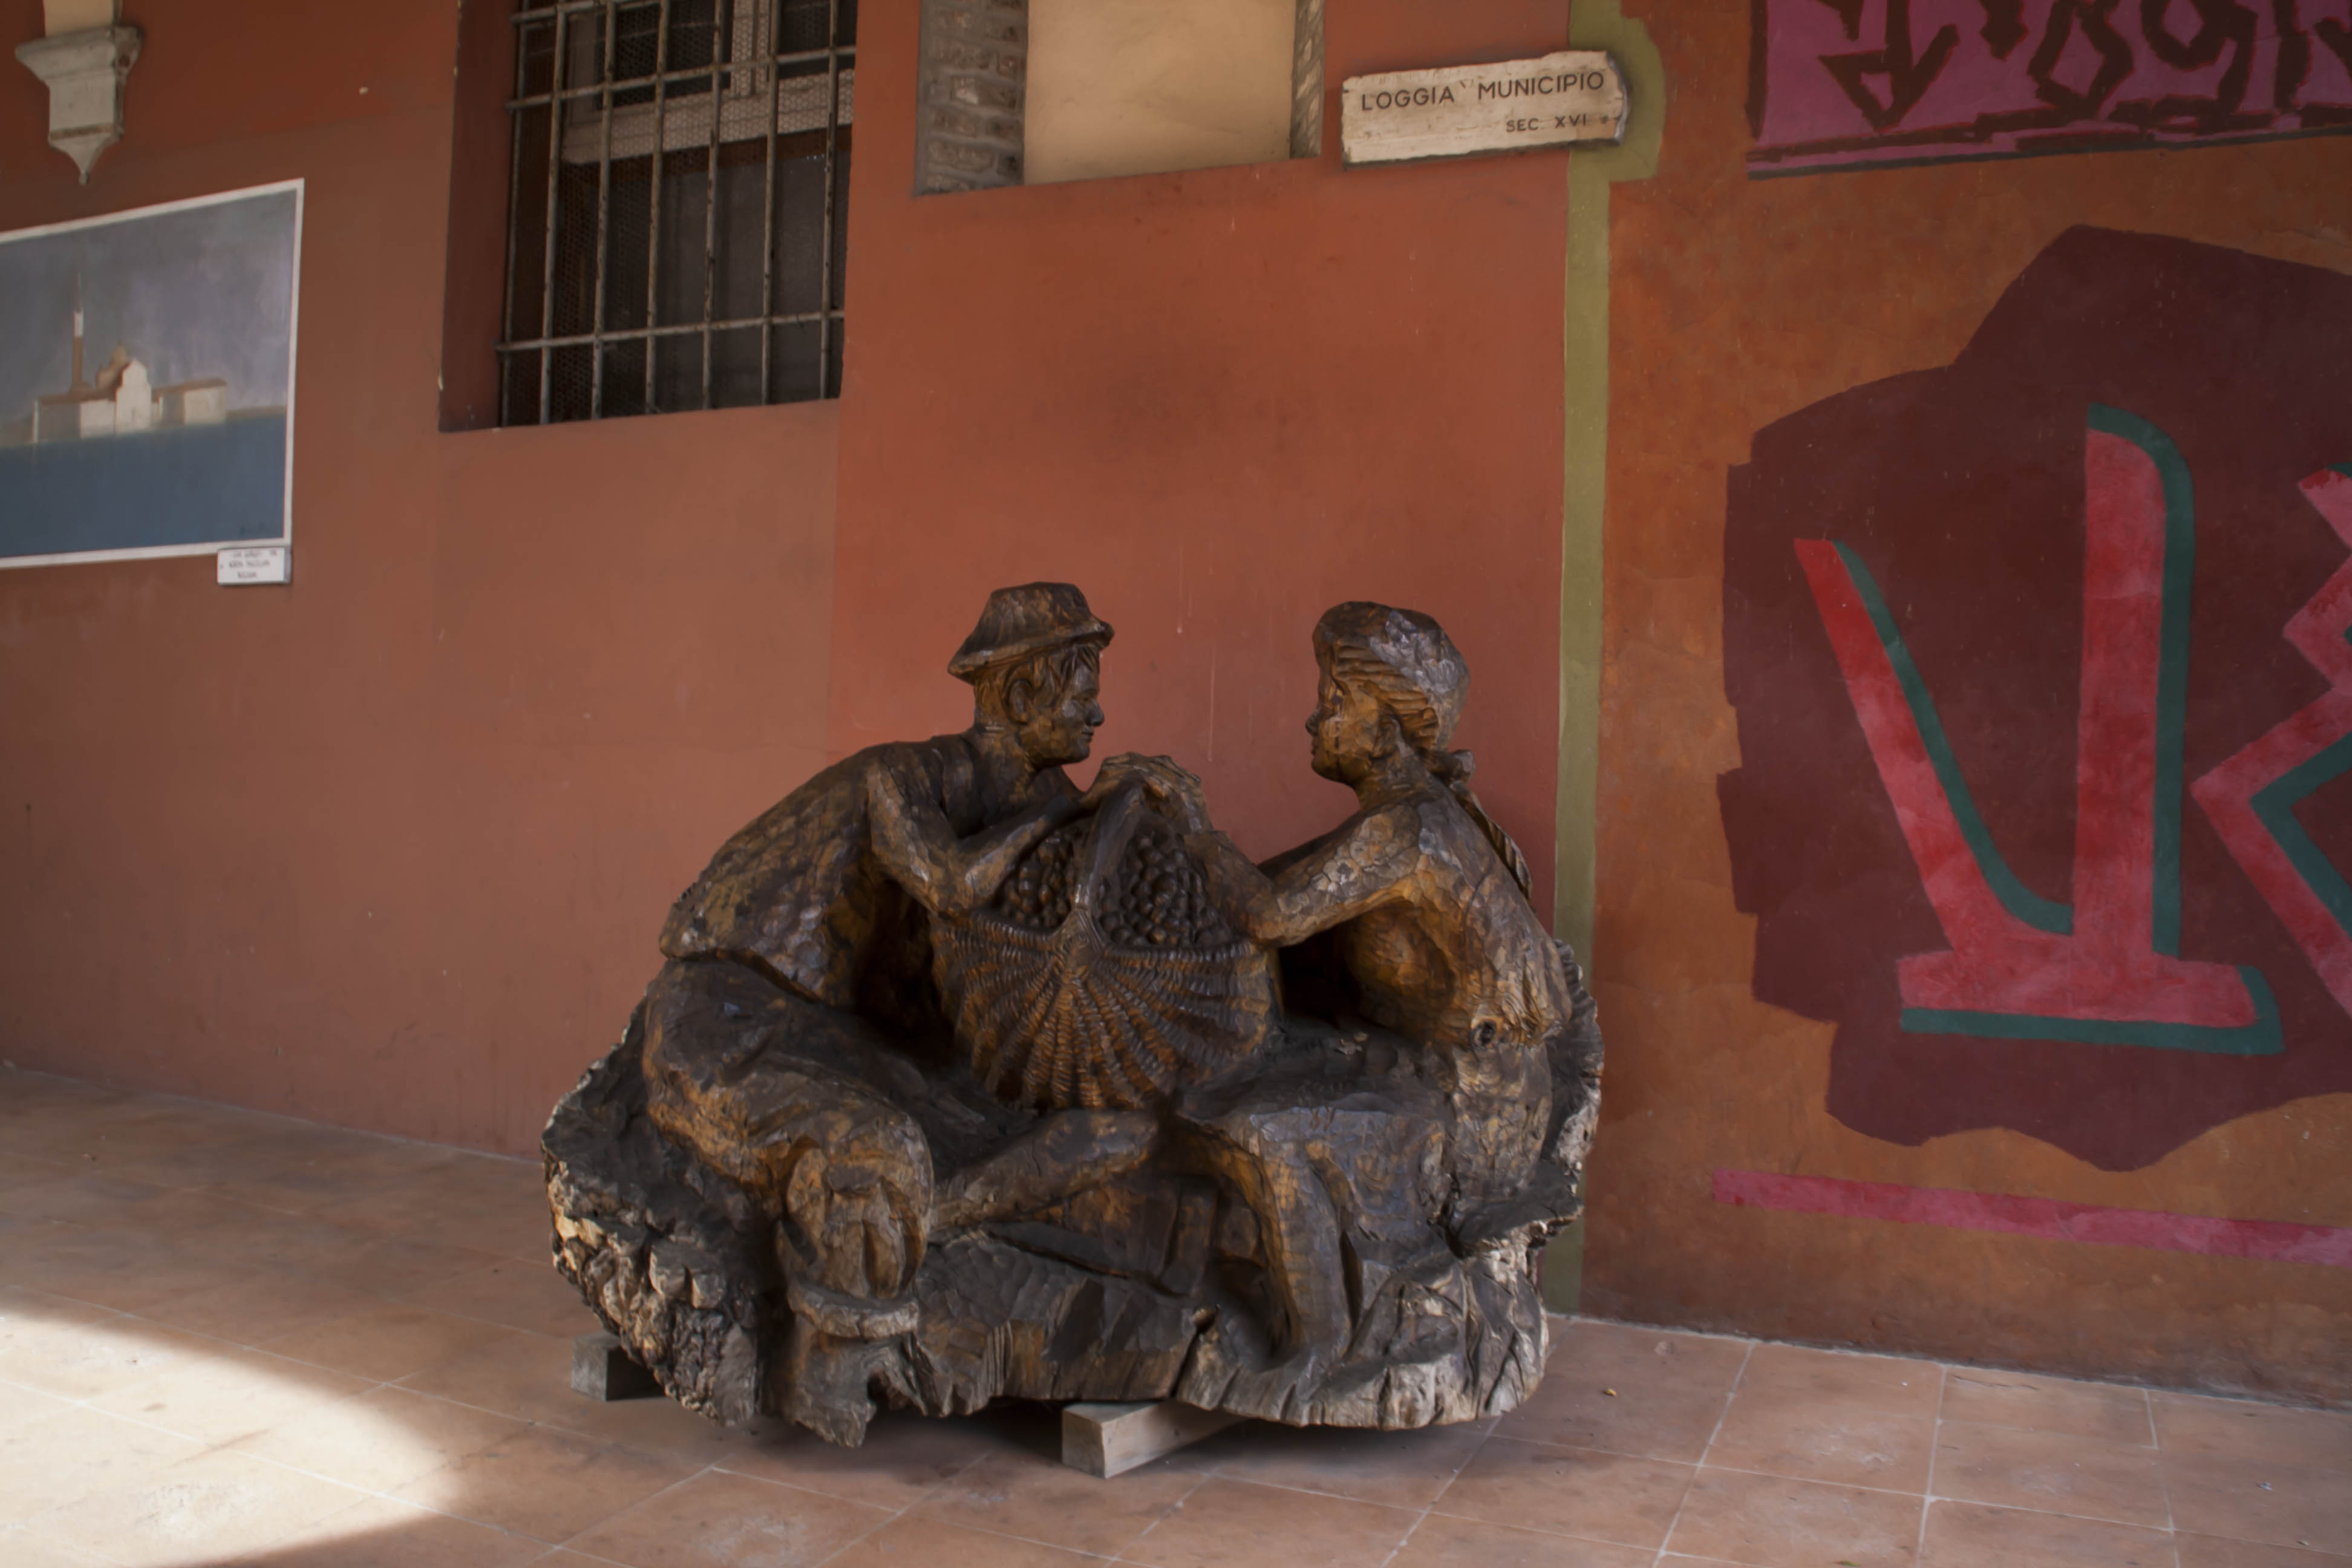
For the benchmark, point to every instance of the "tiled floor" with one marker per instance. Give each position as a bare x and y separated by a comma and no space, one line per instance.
228,1338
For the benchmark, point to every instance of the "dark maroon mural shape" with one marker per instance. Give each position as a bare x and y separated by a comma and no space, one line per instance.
1960,493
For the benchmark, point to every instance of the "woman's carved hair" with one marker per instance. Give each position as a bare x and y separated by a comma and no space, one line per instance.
1406,661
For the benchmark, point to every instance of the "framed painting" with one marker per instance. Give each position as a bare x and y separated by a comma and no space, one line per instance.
147,380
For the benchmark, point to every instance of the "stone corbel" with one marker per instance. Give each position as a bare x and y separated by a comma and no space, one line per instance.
85,70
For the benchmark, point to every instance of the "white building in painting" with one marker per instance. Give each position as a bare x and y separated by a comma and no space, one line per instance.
121,399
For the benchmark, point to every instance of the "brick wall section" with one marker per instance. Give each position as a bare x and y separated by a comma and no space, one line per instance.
975,64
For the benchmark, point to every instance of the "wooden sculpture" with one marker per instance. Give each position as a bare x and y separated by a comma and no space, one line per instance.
959,1083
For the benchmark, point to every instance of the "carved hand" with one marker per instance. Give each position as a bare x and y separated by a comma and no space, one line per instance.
1174,791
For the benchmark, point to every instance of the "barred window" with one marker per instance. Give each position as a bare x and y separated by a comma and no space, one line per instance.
678,207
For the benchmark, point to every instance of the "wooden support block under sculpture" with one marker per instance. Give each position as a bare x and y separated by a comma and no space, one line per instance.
603,1370
1106,1440
960,1084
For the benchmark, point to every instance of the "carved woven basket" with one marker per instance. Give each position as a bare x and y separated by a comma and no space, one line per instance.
1093,1006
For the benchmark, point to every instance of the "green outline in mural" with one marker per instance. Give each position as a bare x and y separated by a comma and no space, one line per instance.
2260,1039
2041,913
2273,807
2172,658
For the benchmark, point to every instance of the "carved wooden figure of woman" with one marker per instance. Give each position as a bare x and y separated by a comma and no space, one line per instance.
1426,898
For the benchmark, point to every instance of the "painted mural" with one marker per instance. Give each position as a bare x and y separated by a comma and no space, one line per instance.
1842,83
2045,690
147,379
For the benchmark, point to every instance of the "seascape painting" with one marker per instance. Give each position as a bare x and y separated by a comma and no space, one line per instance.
147,380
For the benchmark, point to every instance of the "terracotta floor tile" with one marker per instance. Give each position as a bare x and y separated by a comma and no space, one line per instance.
1237,1524
157,1216
1038,1498
548,1485
1670,1390
1776,1523
521,1235
78,1198
20,1405
23,1308
55,1249
368,1262
64,1456
1439,1541
213,1507
904,1459
722,1521
24,1249
1895,1385
380,1440
2100,1410
1971,1535
2188,1423
256,1309
385,1341
1809,1435
1408,1470
658,1424
528,1296
229,1397
137,1284
89,1359
16,1170
217,1169
2249,1496
524,1376
1584,1492
2050,1471
331,1175
473,1200
20,1548
931,1543
2210,1552
382,1533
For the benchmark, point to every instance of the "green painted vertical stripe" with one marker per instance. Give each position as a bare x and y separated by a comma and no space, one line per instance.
2172,662
1584,490
2015,897
1584,494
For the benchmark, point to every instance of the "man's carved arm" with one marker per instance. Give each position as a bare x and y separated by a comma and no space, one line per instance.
918,845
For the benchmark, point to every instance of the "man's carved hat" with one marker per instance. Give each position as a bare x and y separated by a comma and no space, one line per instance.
1029,619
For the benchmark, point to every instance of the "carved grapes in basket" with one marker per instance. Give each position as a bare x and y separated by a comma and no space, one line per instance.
1102,976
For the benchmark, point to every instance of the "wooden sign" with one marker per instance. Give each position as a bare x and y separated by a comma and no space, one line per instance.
1506,106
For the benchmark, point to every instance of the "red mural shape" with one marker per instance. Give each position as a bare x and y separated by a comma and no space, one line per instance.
1983,626
1847,83
2304,888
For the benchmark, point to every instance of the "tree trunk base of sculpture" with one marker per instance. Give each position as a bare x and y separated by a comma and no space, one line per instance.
1157,1291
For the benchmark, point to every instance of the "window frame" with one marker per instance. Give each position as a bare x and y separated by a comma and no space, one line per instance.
741,74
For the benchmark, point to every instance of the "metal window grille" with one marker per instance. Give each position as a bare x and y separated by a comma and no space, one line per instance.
679,206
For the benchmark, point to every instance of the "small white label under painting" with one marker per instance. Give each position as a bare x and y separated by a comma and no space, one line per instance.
147,380
256,564
1508,106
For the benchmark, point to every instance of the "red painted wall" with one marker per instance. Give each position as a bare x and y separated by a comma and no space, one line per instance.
1220,402
390,847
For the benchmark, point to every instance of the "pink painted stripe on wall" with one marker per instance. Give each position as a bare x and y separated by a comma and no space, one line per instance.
2274,1240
